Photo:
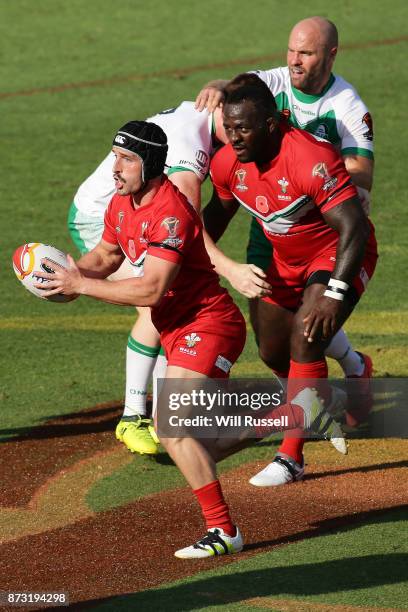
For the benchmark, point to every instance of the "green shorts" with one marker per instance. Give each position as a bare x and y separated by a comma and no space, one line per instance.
85,231
259,249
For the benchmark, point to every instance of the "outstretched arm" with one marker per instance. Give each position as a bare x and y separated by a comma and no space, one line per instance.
248,279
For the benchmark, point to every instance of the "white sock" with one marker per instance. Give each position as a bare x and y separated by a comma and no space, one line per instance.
140,362
158,372
341,350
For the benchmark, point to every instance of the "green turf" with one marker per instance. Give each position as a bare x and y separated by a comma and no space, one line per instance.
361,565
57,359
145,475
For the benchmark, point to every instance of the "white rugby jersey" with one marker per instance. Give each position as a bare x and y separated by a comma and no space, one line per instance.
338,114
189,136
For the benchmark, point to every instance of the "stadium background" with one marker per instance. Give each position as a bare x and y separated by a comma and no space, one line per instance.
72,72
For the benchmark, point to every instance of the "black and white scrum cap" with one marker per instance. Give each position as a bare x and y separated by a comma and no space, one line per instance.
148,141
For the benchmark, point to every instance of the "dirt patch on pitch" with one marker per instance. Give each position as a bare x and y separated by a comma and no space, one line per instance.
53,542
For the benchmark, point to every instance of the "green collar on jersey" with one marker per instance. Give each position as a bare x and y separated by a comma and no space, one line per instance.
310,98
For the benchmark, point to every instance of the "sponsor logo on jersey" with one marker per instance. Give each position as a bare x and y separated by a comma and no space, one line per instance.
143,239
241,174
186,162
191,340
302,110
131,248
202,158
322,131
223,363
261,204
330,183
367,119
167,111
120,139
171,223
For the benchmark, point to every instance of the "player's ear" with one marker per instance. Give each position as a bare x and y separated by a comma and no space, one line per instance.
332,54
272,123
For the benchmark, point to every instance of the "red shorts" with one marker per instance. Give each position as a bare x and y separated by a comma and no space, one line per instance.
289,282
208,346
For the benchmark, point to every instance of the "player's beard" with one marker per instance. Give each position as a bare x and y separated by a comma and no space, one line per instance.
122,188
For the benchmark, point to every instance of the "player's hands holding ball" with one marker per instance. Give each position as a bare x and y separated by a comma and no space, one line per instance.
67,281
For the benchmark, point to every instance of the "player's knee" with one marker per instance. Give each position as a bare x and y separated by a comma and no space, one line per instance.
300,348
277,361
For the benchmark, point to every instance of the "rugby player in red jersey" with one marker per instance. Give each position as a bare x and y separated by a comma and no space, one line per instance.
151,223
324,248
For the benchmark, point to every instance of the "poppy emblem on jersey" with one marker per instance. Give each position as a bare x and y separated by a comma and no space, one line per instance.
285,114
261,204
171,223
320,170
192,339
283,184
202,158
367,119
241,174
132,248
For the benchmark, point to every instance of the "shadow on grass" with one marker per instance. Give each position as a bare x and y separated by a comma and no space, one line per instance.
240,582
299,581
100,419
361,469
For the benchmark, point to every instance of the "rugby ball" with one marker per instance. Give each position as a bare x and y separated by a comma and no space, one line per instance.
27,259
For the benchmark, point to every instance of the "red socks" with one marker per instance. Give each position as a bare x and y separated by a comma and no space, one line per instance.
293,442
214,507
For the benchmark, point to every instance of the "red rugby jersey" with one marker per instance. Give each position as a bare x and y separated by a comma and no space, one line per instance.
169,228
290,193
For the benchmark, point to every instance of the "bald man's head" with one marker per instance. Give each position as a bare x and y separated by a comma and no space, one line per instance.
322,29
312,50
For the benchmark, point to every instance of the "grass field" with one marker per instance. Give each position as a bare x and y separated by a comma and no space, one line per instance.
72,72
